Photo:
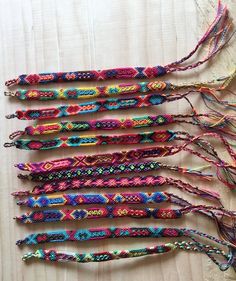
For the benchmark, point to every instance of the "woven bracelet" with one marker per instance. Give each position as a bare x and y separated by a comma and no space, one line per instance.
118,182
128,167
111,104
216,36
76,199
213,121
114,90
210,251
217,214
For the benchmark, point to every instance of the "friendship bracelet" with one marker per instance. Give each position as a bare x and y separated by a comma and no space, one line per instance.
109,90
97,92
130,155
90,140
116,232
111,104
225,172
61,235
146,137
217,35
101,105
53,255
216,214
56,215
215,122
101,233
122,139
128,167
76,199
79,161
118,182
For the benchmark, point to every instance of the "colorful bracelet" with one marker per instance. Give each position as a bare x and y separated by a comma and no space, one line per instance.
159,136
225,171
210,251
131,155
101,105
61,235
111,104
76,199
90,140
217,35
217,214
97,92
215,121
118,182
111,90
53,215
128,167
116,232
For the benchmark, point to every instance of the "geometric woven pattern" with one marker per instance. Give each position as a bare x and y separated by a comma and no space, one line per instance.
74,141
104,171
100,233
53,255
106,74
94,92
90,107
103,124
106,198
118,182
97,159
53,215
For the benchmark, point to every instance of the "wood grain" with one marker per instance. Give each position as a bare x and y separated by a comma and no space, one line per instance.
50,35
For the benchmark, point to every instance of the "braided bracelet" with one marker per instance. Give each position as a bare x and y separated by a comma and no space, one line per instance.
111,104
101,159
214,213
210,251
109,90
128,167
115,232
132,232
76,199
215,121
74,141
92,106
225,171
53,215
118,182
129,155
217,35
61,235
159,136
146,137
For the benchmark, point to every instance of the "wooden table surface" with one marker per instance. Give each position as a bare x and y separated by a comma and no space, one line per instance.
43,36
